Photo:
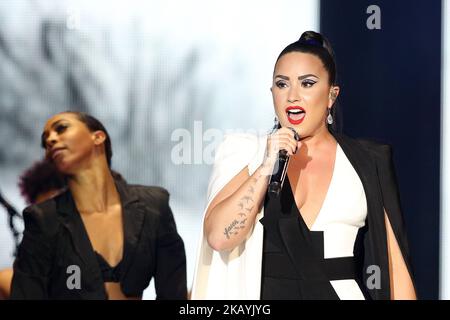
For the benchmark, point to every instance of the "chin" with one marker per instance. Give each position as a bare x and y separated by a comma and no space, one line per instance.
63,168
300,128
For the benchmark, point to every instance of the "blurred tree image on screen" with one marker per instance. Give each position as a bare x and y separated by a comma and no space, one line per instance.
145,69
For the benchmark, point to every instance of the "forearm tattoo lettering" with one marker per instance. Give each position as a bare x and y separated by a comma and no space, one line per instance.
245,206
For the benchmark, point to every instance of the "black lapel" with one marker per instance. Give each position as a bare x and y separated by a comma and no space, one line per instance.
282,225
71,219
133,213
300,251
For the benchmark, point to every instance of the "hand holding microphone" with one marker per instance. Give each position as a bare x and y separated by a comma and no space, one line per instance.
281,144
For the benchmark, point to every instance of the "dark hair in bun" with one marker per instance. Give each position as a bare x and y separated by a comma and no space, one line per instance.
316,44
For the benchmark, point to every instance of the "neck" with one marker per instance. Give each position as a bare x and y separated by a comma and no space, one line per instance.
93,189
321,138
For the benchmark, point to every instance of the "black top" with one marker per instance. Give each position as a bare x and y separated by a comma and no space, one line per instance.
56,249
374,165
308,277
109,273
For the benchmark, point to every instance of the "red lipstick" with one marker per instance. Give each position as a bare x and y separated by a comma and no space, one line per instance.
295,114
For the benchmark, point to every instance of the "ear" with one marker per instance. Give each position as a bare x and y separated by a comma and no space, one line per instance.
99,137
334,92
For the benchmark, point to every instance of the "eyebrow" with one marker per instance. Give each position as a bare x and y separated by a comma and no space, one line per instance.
299,78
45,133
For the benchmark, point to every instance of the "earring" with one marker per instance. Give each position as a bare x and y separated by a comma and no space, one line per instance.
329,117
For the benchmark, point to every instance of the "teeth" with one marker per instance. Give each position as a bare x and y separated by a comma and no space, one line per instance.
296,111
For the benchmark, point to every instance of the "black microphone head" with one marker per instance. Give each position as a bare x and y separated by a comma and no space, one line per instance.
283,154
279,173
274,188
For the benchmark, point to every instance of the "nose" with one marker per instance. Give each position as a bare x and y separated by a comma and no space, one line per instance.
293,95
51,139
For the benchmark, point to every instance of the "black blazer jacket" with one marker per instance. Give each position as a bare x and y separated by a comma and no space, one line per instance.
55,239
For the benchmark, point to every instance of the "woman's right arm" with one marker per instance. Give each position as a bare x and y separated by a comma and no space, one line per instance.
34,258
232,213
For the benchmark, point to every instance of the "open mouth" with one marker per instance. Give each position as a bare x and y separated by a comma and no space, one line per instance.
295,114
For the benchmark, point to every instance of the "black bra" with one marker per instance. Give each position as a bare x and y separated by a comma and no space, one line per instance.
109,273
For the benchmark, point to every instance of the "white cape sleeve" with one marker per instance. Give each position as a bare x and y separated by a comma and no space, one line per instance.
232,274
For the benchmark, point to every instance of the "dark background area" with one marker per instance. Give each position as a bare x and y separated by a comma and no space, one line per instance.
390,92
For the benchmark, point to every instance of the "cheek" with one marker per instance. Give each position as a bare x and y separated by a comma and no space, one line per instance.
317,102
79,152
79,142
84,146
278,100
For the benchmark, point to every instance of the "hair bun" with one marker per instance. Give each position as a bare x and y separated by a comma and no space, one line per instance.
314,43
311,38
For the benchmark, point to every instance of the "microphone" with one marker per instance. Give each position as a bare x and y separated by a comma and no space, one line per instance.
280,169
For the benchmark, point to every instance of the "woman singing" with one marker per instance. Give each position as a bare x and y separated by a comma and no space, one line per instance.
102,238
334,231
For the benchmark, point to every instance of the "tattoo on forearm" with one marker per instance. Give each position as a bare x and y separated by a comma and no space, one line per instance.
229,229
244,208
